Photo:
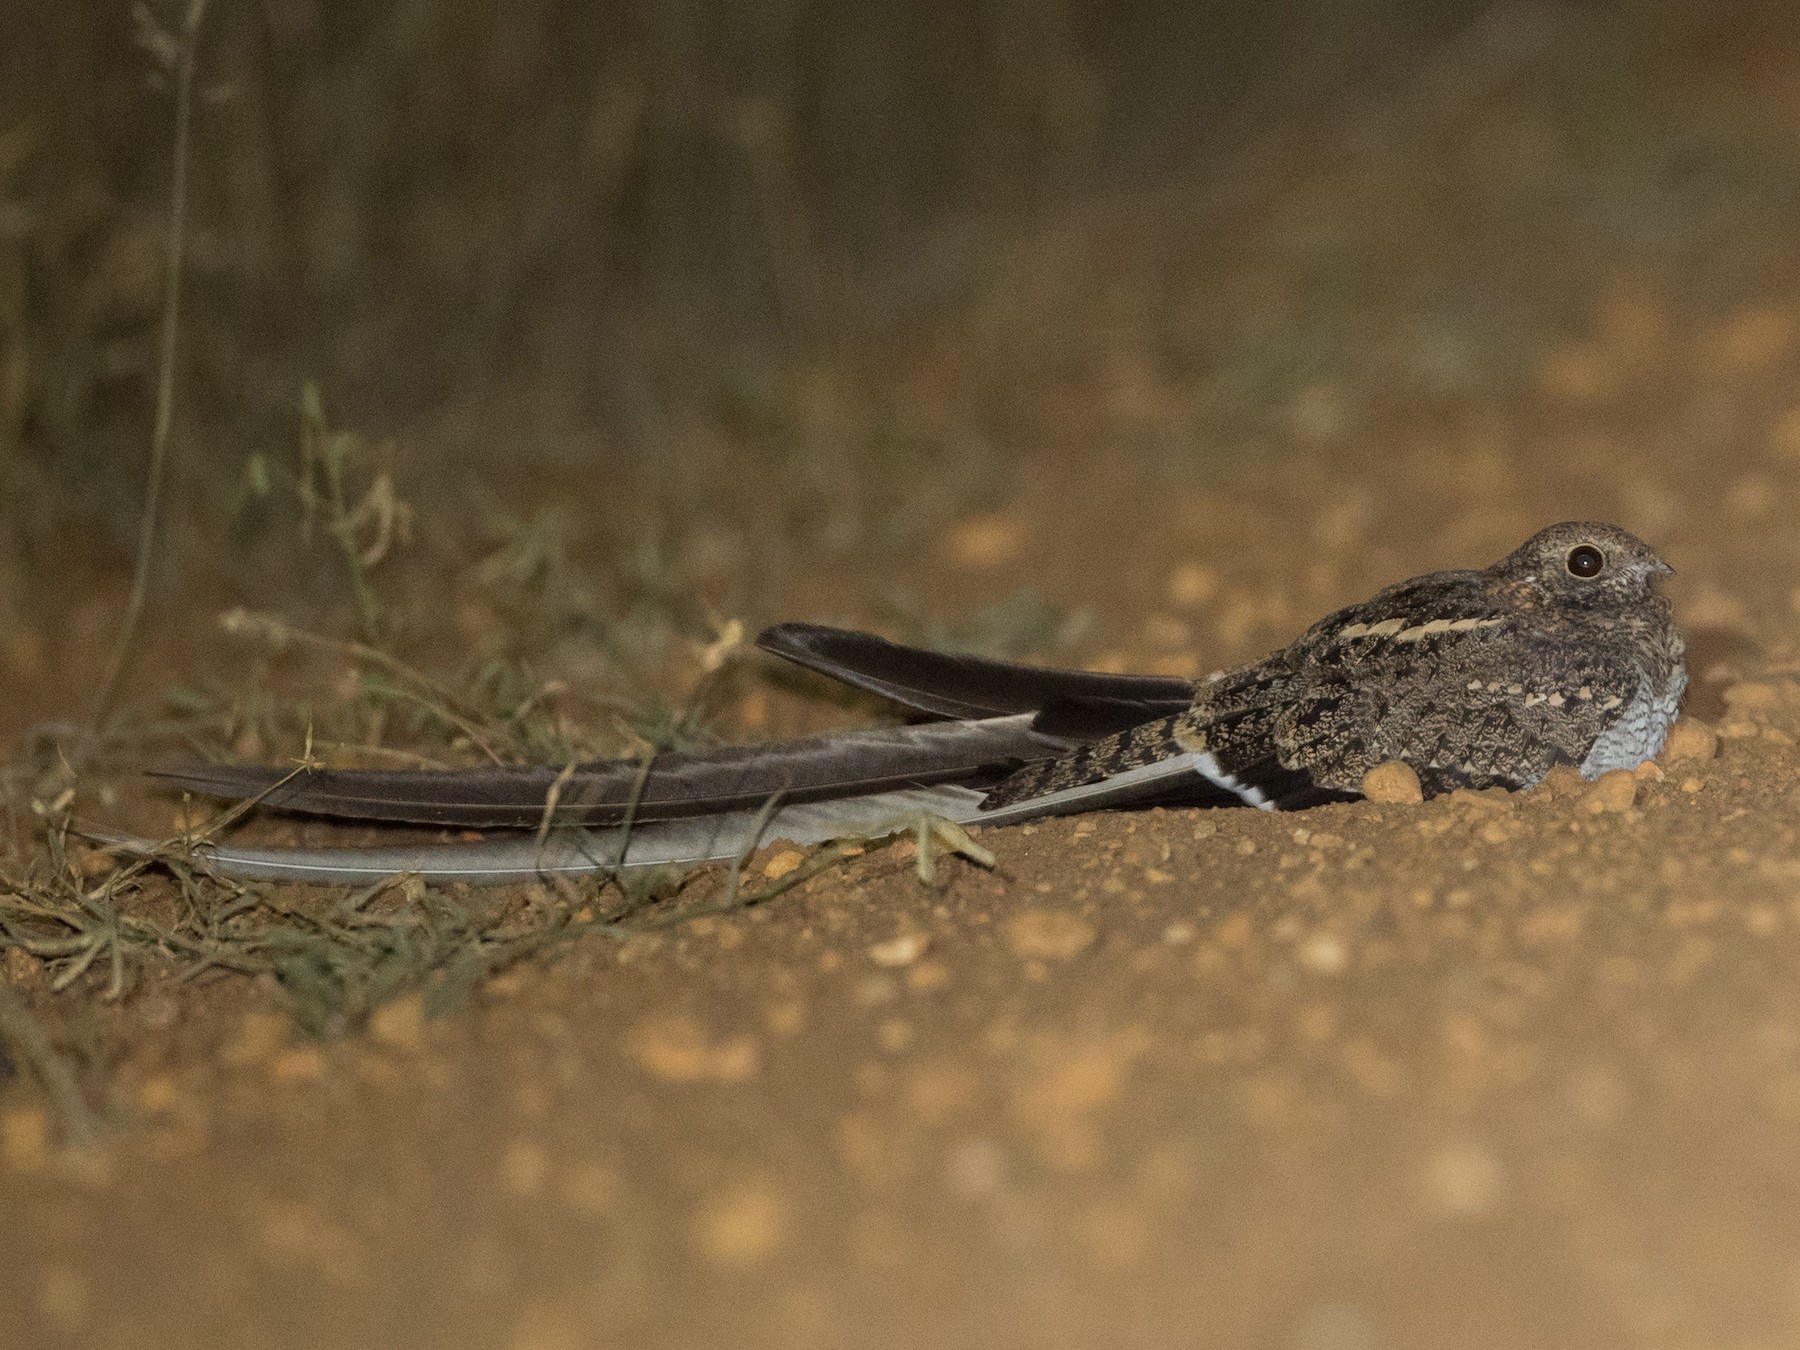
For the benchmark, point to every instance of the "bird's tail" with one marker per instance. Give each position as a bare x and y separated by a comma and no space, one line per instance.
721,837
665,787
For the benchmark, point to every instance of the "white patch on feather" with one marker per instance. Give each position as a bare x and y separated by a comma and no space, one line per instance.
1400,631
1209,769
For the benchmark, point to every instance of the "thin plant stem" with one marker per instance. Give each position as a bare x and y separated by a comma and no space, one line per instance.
165,380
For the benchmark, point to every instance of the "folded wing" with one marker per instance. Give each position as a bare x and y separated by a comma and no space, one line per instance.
991,717
666,787
946,685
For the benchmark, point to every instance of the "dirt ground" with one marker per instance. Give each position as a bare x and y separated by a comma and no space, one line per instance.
1483,1072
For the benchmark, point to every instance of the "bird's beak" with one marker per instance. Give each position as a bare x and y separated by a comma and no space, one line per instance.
1664,568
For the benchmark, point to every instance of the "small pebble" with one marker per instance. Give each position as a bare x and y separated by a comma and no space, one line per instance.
783,863
1394,783
785,1017
927,977
259,1036
1049,934
974,1168
678,1049
1615,790
742,1226
1691,738
1192,585
297,1064
986,541
159,1093
1462,1180
1324,954
400,1023
900,951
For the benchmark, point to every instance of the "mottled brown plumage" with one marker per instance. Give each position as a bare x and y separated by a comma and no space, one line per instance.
1560,653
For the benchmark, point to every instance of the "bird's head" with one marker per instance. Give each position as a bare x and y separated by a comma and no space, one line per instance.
1582,564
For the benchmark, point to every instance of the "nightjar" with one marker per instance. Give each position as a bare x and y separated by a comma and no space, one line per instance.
1560,653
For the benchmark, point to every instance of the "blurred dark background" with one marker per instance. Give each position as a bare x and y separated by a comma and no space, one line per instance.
400,200
742,294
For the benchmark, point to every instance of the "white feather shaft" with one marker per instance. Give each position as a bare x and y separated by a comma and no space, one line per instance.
722,838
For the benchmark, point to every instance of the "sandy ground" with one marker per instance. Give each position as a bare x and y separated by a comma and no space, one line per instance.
1483,1072
1488,1071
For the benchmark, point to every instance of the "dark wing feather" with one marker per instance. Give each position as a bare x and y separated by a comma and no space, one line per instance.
1000,716
673,787
1090,719
940,684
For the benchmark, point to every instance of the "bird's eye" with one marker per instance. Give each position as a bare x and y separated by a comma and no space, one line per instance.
1586,561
